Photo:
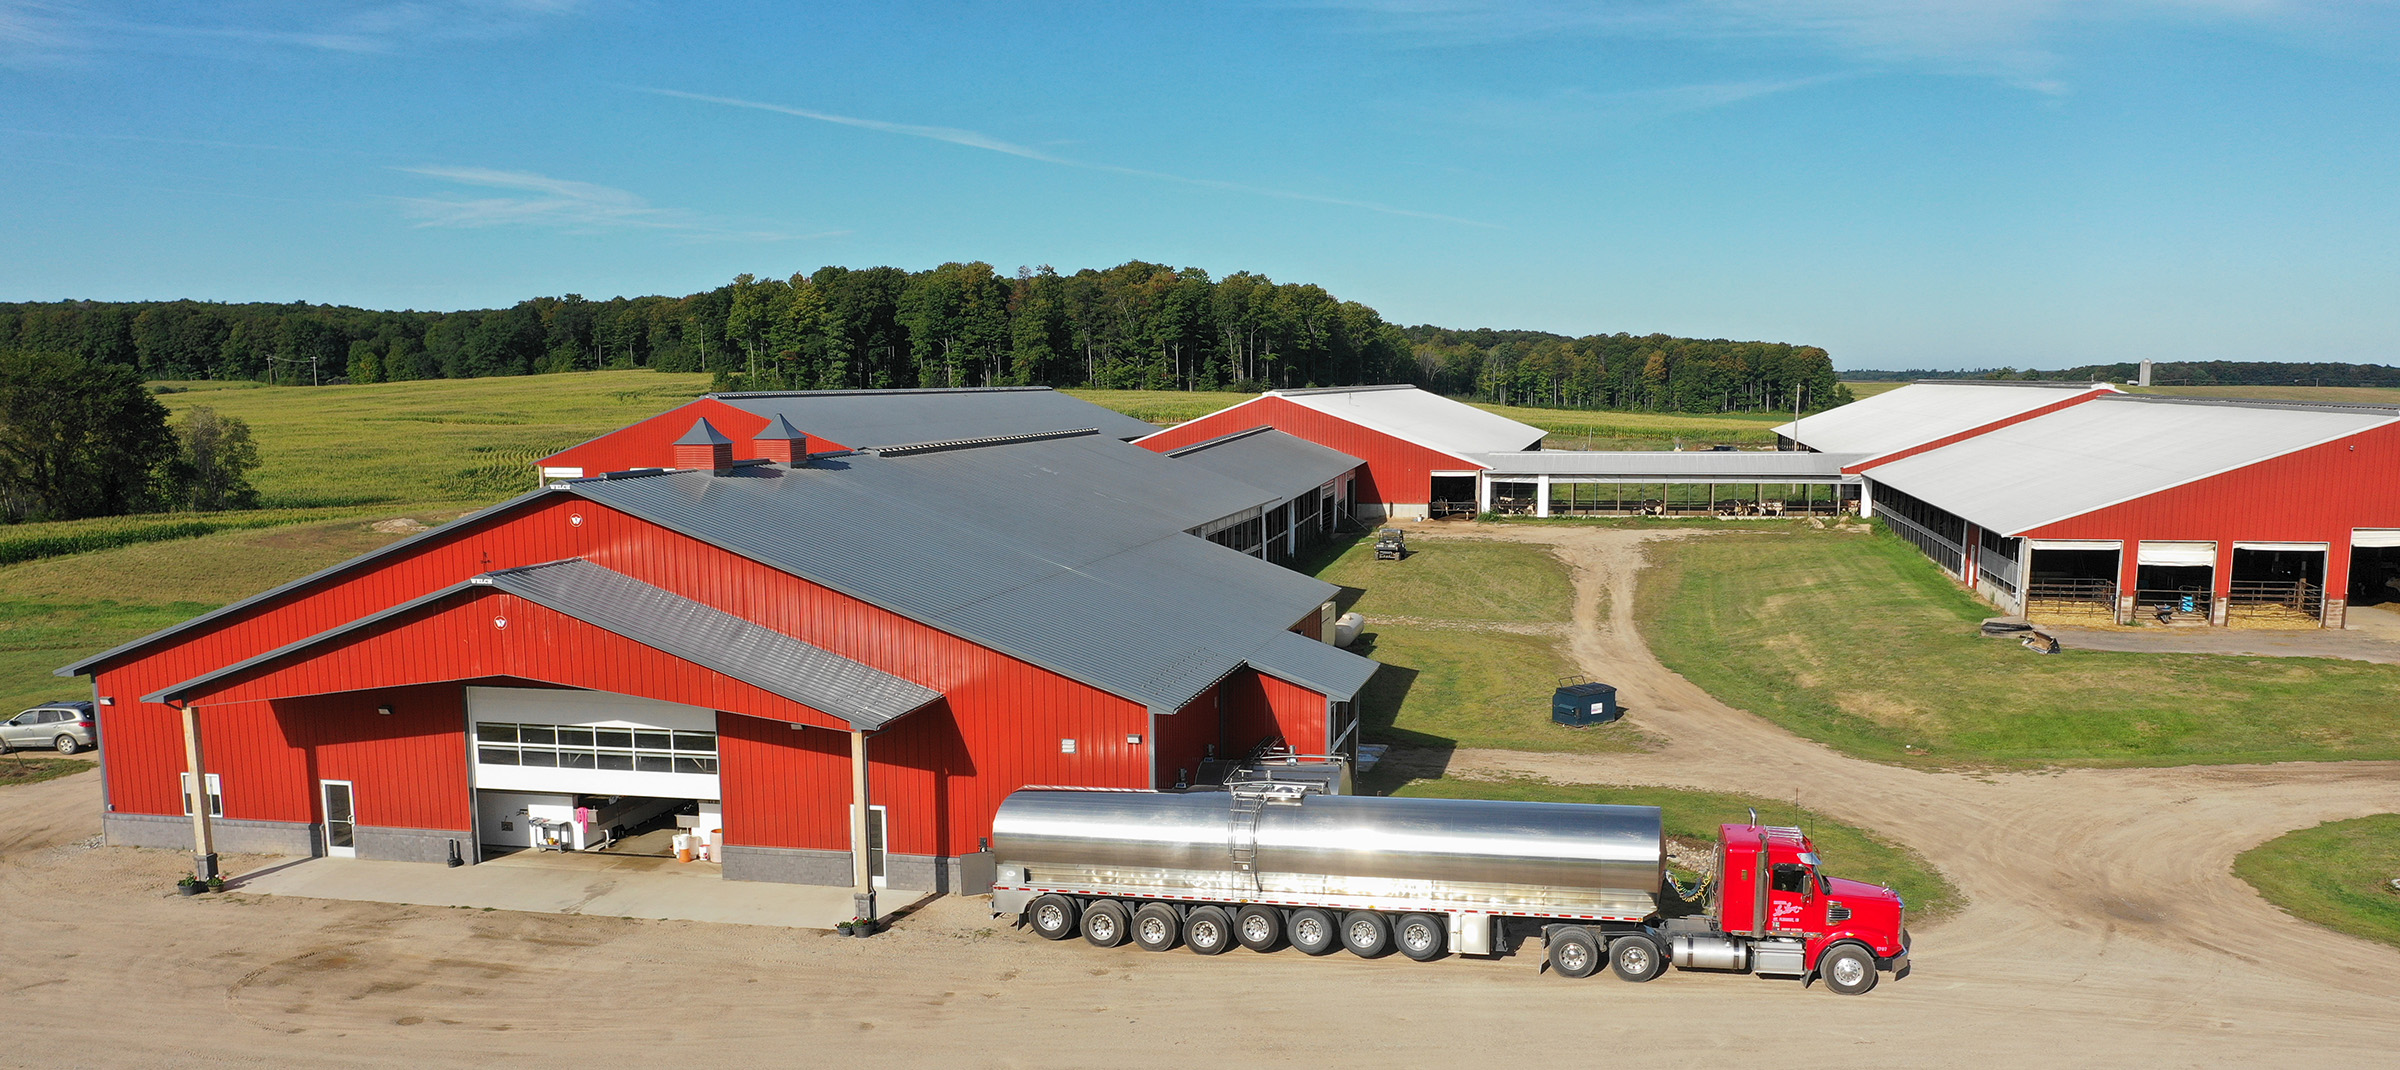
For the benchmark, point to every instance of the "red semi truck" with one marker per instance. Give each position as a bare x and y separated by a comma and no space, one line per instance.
1266,866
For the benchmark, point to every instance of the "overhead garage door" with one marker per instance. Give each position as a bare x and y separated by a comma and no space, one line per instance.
591,743
2178,554
2375,538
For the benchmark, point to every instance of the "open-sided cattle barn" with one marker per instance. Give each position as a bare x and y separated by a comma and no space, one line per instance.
843,661
1544,483
1415,449
2192,511
1310,484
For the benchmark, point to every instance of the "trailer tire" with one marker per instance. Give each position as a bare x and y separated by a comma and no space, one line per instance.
1053,916
1313,931
1422,937
1105,923
1208,931
1156,928
1574,953
1258,927
1848,969
1636,958
1366,933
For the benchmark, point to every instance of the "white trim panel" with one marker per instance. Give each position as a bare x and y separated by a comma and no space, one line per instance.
2177,554
2300,547
2374,538
2074,544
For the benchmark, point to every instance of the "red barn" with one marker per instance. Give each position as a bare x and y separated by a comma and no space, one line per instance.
1415,448
849,657
846,419
2195,511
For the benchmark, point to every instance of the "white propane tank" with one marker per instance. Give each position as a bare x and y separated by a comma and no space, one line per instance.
1346,629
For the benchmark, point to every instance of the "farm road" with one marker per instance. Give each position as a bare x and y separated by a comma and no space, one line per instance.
2103,910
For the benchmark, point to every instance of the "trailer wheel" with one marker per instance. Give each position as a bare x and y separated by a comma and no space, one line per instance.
1313,931
1208,931
1366,933
1848,970
1155,927
1635,958
1573,953
1258,927
1053,916
1422,937
1104,923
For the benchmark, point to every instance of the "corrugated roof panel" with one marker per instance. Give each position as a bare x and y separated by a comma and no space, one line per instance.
1321,667
863,418
1414,415
1919,413
1067,553
2109,450
1732,466
861,694
1278,462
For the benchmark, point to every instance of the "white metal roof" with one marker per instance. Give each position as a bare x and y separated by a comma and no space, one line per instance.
2109,450
1700,466
1429,420
1919,413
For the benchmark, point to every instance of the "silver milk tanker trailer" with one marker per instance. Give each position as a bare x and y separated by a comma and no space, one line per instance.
1429,877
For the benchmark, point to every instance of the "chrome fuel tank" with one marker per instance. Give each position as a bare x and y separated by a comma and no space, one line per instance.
1462,850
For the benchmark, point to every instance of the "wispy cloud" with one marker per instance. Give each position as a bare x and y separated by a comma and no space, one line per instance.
1573,109
977,140
537,200
39,32
2013,40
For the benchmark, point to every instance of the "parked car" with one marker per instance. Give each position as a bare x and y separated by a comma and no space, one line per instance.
65,727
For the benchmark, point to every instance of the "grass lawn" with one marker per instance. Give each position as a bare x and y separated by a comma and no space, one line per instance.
1863,389
1693,816
1161,407
1455,579
1858,641
2337,874
432,441
1577,429
1463,687
23,768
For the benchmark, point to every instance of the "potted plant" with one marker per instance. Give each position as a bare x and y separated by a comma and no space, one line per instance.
843,928
216,884
862,927
189,885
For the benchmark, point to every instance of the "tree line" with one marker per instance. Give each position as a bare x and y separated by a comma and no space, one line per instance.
1654,372
82,439
1135,326
2168,373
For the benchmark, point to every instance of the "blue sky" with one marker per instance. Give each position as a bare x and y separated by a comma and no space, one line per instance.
1909,183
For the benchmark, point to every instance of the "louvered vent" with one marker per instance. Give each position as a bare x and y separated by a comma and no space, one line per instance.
1836,912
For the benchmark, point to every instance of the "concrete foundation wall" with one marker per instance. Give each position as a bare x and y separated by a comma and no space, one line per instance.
965,875
413,845
233,836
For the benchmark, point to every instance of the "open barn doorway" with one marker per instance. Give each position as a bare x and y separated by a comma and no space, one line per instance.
2277,585
2175,582
2072,582
2375,567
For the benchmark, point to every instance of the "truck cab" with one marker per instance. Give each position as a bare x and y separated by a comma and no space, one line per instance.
1772,911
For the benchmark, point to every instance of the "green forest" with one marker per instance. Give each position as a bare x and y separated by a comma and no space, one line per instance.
2169,373
1134,326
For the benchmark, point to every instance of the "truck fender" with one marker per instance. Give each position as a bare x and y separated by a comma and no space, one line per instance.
1827,947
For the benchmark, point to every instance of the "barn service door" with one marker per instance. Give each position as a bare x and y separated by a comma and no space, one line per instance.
341,818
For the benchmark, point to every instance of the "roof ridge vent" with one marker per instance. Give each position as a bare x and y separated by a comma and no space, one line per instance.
978,443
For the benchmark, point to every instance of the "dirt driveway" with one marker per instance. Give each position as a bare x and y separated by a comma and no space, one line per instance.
2104,930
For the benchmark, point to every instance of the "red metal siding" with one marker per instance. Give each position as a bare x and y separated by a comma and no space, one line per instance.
1974,431
2314,495
407,770
1008,715
1179,741
1396,471
786,788
1259,707
651,443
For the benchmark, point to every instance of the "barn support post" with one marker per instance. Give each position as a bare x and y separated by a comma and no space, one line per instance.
1541,497
204,838
1483,493
862,881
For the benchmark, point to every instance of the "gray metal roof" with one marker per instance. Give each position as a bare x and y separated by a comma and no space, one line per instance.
1427,419
861,694
1634,466
780,428
2110,450
1919,413
703,433
1067,553
1284,465
1318,666
863,418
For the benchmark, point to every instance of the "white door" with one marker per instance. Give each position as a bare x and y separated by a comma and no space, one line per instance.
875,842
341,819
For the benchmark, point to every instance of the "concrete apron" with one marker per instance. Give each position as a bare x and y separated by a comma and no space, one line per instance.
549,882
